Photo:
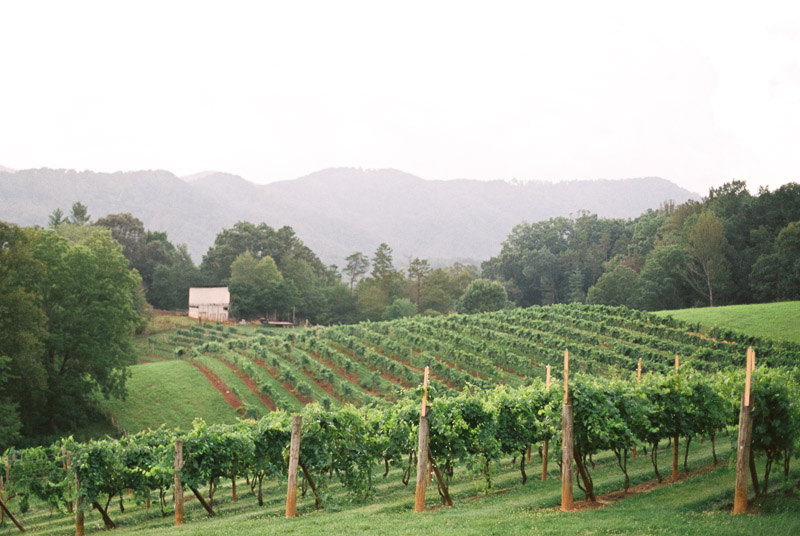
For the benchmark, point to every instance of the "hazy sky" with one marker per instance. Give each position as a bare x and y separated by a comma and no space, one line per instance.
696,92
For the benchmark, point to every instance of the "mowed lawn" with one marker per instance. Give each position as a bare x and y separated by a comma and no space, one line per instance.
168,392
778,321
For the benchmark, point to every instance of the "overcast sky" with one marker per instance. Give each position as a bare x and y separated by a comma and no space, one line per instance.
696,92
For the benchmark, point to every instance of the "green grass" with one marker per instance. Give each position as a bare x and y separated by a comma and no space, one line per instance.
234,383
698,505
171,393
779,321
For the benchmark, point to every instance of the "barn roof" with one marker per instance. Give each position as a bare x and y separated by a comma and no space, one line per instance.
208,295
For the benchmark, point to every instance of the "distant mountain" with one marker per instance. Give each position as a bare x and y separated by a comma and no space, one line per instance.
334,211
6,169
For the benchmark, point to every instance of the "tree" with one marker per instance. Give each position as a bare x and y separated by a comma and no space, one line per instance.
776,275
707,267
661,284
357,266
482,296
10,424
370,299
262,240
400,308
171,281
56,218
534,262
80,214
382,267
254,284
130,233
615,287
87,293
442,288
575,284
230,243
23,378
417,271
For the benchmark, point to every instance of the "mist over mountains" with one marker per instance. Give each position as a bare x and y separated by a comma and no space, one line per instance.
335,211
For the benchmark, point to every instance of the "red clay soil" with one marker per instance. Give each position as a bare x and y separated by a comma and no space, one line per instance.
701,336
288,387
644,487
430,373
459,368
267,401
220,386
325,386
353,377
154,357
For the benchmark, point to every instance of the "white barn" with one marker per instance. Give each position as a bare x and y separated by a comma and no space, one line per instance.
211,303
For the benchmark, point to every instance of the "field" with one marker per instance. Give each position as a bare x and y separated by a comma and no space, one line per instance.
168,392
778,321
218,372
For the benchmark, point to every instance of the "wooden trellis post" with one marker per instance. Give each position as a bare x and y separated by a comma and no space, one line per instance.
294,459
78,508
675,439
177,484
422,449
745,436
4,508
545,446
566,442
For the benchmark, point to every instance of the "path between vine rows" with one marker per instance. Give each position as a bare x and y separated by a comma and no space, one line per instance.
354,377
645,487
612,497
267,401
288,387
220,386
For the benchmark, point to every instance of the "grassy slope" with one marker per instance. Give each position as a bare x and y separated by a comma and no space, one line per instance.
171,392
779,321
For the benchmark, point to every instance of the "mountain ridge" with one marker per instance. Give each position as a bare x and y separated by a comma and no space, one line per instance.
335,211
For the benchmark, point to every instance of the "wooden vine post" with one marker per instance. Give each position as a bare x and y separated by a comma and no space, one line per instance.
745,436
177,484
4,508
545,446
567,446
675,439
422,449
294,459
78,508
65,464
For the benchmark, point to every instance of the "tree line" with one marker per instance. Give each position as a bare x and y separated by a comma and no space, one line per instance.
272,273
732,247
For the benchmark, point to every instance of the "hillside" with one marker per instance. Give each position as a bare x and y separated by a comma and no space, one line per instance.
778,321
267,368
334,211
257,369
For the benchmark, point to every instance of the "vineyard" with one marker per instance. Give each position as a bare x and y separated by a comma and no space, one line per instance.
491,404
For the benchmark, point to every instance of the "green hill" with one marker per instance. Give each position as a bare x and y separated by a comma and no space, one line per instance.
168,392
778,321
